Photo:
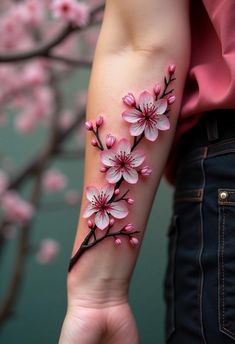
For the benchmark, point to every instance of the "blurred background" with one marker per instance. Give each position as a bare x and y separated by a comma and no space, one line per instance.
45,61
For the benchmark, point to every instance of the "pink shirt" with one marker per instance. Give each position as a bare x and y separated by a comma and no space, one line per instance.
210,81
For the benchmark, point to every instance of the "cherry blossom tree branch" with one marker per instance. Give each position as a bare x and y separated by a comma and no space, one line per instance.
45,48
24,239
13,289
29,168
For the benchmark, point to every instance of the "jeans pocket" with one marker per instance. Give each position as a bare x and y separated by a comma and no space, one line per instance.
169,287
226,261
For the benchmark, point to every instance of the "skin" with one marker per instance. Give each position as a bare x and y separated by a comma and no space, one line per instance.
136,44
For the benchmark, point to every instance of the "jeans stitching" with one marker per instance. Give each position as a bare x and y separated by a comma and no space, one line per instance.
184,195
173,279
199,153
221,267
201,250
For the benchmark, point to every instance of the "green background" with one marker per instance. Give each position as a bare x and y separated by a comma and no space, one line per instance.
41,305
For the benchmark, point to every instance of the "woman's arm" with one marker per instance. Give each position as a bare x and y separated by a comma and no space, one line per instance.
137,43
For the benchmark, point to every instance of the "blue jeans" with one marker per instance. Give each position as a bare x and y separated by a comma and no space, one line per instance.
199,285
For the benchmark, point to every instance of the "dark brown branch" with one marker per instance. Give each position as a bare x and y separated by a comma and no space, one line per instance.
85,246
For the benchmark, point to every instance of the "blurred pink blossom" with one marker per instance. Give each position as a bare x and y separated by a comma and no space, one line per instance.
66,119
25,122
15,208
71,11
81,14
54,180
43,102
31,12
13,31
72,197
63,9
48,251
34,74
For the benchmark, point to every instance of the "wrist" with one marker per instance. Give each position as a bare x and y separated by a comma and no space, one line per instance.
96,291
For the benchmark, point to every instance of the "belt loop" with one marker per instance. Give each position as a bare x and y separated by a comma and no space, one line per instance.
212,127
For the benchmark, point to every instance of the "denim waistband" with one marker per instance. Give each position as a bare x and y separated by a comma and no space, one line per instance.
213,126
225,146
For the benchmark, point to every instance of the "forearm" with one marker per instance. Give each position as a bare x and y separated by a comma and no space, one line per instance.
103,272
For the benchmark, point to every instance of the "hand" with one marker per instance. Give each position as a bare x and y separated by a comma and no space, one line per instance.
103,325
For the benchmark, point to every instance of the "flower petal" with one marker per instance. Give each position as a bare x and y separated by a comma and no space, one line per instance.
137,128
108,157
91,191
137,158
124,146
161,106
146,100
88,211
163,123
113,175
118,209
102,219
151,132
132,116
108,191
130,175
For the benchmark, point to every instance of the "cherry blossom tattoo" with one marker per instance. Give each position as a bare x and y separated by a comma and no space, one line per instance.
123,163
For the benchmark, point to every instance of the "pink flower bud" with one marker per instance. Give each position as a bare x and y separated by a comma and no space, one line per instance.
103,169
99,121
117,241
157,89
129,227
145,171
129,99
171,69
117,192
94,142
171,99
130,201
90,224
134,241
110,140
111,222
89,125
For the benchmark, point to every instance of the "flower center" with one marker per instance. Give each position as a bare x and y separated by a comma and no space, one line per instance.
123,159
65,7
149,110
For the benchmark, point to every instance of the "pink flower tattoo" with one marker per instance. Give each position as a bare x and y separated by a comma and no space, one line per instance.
100,205
149,117
122,163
